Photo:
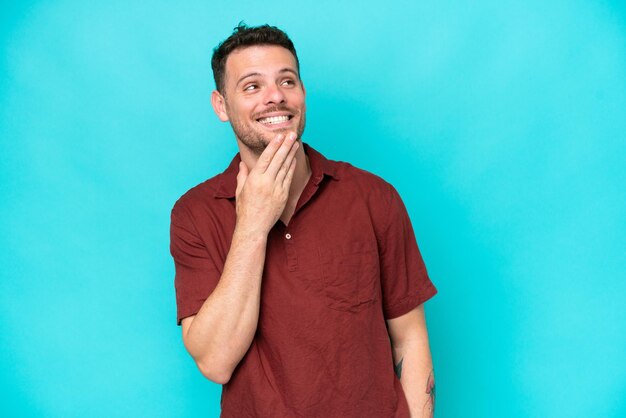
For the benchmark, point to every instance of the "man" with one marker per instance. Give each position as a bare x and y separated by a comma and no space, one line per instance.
299,284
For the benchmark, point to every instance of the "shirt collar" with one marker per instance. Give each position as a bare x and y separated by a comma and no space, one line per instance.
320,166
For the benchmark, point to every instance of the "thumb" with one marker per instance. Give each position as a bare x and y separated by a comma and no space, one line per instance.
241,176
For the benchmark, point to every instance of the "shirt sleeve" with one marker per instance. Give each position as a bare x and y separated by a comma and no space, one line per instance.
196,274
405,281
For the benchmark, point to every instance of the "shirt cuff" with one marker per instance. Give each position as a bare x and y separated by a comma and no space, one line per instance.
410,302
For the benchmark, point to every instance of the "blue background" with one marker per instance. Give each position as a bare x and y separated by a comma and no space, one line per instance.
502,124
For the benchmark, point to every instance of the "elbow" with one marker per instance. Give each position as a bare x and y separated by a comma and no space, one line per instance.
218,375
213,369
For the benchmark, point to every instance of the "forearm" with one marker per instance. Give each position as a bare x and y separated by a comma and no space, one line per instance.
220,334
222,330
414,367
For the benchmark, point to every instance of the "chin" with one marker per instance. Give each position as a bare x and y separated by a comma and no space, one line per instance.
256,146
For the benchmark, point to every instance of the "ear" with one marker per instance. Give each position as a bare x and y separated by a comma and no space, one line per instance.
219,105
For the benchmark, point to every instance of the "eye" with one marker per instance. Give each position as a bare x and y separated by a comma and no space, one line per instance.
250,87
288,82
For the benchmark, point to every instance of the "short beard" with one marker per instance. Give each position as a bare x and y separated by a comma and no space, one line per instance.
255,141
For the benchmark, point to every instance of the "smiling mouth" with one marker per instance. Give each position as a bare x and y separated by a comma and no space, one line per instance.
274,120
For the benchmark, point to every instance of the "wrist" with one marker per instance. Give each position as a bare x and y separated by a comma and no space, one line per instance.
250,232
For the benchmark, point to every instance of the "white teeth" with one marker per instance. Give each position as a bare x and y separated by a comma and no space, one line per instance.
274,119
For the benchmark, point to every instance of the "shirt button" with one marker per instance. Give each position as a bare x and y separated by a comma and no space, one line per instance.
288,236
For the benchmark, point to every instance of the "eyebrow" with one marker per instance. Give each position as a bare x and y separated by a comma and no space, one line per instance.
246,76
289,70
253,74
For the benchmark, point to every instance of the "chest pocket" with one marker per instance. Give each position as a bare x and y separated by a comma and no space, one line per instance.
350,275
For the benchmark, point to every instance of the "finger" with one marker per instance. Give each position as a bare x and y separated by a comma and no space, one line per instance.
268,153
281,154
242,175
280,176
289,175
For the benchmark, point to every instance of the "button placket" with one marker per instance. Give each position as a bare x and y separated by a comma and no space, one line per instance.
292,256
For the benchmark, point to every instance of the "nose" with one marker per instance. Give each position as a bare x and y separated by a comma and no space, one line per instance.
274,95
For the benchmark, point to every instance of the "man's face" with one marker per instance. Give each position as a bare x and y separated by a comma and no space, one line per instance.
263,95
